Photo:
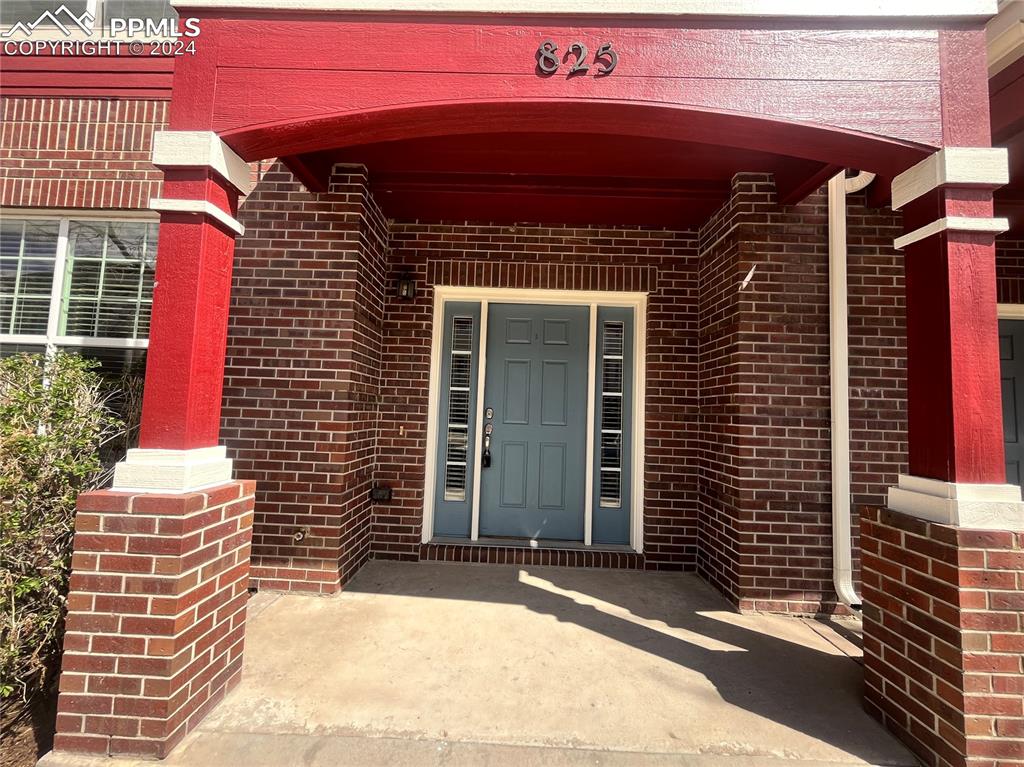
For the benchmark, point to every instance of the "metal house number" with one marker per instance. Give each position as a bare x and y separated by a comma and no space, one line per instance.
548,59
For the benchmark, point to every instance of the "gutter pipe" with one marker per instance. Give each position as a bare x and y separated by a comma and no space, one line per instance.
839,368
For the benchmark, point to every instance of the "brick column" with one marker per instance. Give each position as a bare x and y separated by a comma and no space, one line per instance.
156,616
944,638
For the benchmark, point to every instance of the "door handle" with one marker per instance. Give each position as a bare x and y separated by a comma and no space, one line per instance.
485,455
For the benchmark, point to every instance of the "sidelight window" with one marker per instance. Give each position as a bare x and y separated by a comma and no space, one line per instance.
610,479
459,403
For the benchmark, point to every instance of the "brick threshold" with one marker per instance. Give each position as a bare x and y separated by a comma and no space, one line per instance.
512,551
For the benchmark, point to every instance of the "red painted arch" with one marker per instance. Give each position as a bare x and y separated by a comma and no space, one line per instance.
287,84
812,142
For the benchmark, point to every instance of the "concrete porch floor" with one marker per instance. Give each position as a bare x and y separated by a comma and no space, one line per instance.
445,664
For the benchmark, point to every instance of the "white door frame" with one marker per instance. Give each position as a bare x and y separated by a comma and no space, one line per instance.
1010,311
591,298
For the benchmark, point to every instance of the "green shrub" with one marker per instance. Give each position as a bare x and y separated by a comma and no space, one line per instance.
54,420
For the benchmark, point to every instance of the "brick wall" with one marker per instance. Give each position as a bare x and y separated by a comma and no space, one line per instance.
309,346
156,616
302,375
944,638
878,358
765,493
723,473
79,153
738,452
552,257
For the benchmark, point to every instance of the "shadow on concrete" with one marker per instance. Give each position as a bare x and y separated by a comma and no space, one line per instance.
681,619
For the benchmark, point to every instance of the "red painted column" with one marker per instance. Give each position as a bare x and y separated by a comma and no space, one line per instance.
188,331
954,400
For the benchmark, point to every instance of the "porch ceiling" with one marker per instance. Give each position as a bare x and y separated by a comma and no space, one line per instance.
565,178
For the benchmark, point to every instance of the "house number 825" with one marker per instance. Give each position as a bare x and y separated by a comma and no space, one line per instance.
548,59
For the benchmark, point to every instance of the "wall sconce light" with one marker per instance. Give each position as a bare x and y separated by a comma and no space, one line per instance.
406,287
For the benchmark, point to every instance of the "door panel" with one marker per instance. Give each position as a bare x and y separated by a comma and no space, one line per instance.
517,392
536,381
554,393
514,457
1011,361
556,332
518,330
552,475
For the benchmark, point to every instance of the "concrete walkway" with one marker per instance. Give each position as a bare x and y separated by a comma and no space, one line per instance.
436,664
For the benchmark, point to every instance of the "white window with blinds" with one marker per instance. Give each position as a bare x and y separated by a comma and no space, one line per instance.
77,282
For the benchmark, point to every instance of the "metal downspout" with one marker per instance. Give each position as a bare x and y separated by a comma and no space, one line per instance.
839,368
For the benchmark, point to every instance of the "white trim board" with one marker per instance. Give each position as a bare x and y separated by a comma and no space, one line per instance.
588,487
1005,35
980,9
953,224
962,504
82,341
959,166
1006,48
1010,311
82,214
199,207
478,448
192,149
591,298
172,471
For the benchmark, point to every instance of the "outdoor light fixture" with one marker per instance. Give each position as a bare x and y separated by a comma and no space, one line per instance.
406,287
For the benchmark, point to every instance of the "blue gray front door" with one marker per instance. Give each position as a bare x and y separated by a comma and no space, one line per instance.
512,454
1011,361
535,392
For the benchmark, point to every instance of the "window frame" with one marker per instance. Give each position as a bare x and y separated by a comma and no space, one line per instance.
53,339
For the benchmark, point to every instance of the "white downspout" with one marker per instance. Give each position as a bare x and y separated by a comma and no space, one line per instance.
839,367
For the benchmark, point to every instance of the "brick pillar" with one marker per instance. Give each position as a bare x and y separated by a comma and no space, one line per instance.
944,638
156,616
943,567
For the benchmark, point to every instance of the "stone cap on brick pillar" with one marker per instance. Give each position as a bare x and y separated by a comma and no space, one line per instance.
172,471
962,504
